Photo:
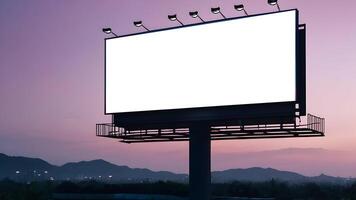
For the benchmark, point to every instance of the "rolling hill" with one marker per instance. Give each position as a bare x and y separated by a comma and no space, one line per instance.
31,169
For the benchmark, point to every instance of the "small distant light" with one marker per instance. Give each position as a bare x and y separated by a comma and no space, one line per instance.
110,176
46,172
51,178
17,172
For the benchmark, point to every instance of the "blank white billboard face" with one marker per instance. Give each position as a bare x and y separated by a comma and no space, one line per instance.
241,61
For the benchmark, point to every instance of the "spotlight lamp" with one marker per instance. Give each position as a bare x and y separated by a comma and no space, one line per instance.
109,31
174,18
274,3
195,14
216,10
140,24
240,7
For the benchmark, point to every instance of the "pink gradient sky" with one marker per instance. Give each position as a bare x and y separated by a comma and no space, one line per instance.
51,84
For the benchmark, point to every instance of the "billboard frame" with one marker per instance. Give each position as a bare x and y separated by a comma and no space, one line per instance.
273,112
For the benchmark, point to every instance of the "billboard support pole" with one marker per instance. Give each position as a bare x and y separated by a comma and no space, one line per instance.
199,161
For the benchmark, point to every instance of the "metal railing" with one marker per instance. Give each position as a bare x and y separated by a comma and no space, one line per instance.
316,123
315,127
109,129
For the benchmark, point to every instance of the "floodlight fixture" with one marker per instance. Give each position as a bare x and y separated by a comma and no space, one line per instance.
195,14
174,18
140,24
274,3
217,10
109,31
240,7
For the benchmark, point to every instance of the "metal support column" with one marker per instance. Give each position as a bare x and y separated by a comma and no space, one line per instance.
199,162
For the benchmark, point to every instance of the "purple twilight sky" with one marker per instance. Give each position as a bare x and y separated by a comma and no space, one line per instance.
51,84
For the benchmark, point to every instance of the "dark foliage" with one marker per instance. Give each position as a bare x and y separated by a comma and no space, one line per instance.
10,190
169,188
283,190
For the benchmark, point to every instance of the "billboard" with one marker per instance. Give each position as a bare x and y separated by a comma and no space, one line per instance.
232,62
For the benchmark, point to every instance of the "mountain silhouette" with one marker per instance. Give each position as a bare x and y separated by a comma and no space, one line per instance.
10,165
256,174
32,169
101,169
29,169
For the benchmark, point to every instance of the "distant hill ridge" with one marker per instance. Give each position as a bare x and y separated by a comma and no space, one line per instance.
29,169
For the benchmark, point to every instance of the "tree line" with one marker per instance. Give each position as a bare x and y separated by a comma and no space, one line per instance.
10,190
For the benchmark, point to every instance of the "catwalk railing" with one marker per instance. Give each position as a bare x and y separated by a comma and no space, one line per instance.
316,123
315,127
